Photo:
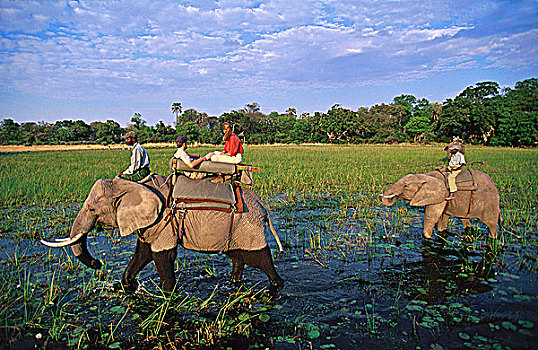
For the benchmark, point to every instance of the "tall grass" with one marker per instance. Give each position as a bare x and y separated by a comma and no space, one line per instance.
43,177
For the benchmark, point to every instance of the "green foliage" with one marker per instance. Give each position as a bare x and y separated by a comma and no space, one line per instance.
480,114
9,132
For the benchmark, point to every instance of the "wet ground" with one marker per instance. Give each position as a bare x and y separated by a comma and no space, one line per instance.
356,277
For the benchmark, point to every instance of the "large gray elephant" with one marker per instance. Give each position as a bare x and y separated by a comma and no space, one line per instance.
429,190
141,209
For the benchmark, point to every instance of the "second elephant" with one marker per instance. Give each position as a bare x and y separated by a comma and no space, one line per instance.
429,190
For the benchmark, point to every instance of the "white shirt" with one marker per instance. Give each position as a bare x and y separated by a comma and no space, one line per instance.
184,156
456,160
139,159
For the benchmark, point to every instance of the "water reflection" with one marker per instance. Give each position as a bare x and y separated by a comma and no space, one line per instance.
443,272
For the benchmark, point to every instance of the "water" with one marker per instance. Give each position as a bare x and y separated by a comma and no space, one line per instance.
356,277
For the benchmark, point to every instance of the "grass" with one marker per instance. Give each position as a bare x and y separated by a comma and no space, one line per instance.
35,178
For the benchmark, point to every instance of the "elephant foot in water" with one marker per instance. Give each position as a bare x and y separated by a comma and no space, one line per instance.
275,286
260,259
126,286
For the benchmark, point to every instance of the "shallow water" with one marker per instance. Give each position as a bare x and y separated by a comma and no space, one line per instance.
355,277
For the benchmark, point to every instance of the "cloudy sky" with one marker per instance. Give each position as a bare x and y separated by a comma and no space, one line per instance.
99,60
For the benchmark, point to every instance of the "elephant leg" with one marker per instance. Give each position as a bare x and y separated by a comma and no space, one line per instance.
140,259
238,266
164,262
431,217
443,223
466,223
260,259
492,226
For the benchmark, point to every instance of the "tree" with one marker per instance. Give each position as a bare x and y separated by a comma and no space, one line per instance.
407,104
338,123
108,133
518,123
418,127
176,109
63,131
472,114
10,133
190,131
137,121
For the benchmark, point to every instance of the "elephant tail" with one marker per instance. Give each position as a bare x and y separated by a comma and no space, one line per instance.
272,228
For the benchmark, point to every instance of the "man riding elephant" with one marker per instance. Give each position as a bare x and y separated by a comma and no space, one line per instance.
140,164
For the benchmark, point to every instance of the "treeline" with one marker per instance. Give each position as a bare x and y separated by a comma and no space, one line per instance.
481,114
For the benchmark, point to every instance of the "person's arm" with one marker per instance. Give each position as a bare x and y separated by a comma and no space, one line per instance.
181,154
135,161
192,164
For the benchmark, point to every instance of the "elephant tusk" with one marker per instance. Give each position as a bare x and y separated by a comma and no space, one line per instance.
390,196
62,242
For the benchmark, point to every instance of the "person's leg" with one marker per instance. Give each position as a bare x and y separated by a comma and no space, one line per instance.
452,183
227,159
137,176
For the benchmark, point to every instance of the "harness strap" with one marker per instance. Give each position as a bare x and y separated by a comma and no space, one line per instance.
172,217
169,196
471,203
225,210
238,198
184,200
229,239
179,234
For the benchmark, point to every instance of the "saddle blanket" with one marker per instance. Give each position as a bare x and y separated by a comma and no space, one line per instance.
203,190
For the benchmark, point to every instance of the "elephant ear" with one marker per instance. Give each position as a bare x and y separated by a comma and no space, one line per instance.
431,191
137,206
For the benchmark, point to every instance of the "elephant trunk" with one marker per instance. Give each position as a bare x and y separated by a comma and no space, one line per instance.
84,222
389,198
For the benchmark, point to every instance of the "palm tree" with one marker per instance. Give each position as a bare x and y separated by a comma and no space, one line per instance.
176,109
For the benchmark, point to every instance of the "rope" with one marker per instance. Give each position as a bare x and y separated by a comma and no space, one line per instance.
471,203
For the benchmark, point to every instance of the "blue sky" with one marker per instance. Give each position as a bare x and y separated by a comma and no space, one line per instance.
99,60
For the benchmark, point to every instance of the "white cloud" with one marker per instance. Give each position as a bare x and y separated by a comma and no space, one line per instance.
104,50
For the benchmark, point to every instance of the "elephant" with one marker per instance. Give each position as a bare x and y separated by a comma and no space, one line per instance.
141,208
429,190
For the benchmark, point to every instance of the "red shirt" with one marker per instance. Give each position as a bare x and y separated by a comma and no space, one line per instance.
233,145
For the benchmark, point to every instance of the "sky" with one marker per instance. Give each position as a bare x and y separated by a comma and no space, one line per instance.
100,60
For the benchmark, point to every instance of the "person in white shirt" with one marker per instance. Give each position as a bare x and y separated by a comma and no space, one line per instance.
190,160
140,163
455,165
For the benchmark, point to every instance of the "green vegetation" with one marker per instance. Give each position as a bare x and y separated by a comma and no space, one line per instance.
357,273
480,114
36,178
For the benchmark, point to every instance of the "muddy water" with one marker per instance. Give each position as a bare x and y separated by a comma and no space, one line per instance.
355,278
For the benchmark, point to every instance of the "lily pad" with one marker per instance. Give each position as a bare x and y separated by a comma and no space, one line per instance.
526,324
313,334
118,309
464,336
264,318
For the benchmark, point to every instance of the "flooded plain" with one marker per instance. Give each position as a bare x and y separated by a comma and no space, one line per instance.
357,276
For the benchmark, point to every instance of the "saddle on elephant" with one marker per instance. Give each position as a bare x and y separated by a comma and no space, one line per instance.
193,199
238,172
465,181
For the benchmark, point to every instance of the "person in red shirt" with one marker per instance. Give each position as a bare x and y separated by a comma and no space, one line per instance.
233,149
